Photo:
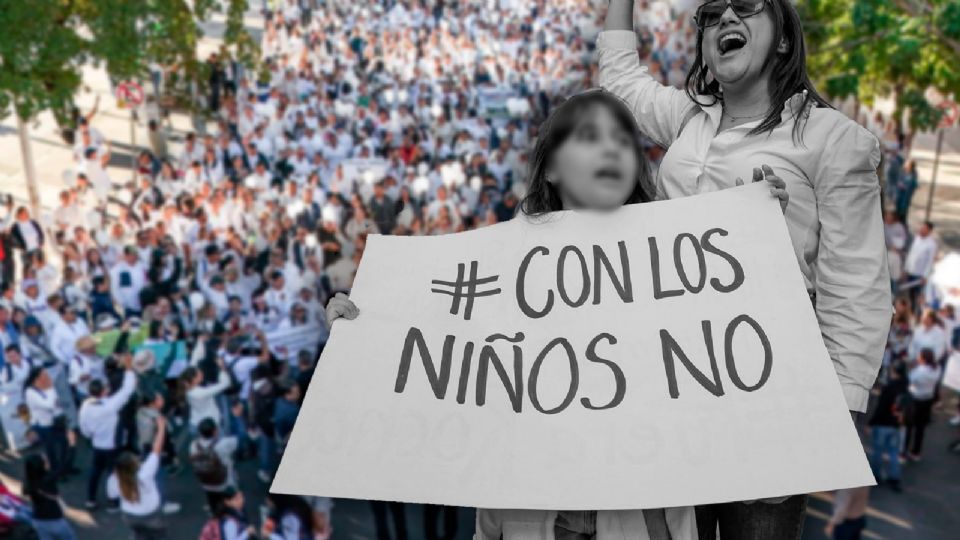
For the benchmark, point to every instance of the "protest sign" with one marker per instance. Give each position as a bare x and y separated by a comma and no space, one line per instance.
170,357
665,354
287,342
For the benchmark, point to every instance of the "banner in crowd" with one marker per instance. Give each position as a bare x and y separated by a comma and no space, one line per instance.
365,171
492,101
170,358
665,354
286,343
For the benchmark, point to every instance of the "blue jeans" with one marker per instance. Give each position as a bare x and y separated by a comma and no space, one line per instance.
885,441
237,426
754,521
55,446
53,529
267,452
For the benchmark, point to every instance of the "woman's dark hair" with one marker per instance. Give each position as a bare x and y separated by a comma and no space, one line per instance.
156,329
927,357
542,196
184,382
788,76
34,470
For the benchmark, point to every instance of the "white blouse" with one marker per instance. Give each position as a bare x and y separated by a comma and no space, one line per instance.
146,482
834,214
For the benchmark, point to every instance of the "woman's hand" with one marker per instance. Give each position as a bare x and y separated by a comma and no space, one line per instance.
341,306
778,188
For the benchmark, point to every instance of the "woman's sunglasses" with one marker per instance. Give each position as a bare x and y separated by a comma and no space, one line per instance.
709,14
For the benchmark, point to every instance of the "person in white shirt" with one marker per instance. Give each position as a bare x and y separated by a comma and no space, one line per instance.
135,484
127,278
923,378
279,296
26,233
66,331
68,215
47,418
930,334
241,365
98,422
34,303
919,262
215,292
14,372
894,231
202,399
85,366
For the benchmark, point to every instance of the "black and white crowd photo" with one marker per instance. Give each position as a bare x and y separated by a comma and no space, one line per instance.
480,269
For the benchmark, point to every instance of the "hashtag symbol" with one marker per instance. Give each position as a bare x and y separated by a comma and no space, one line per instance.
465,289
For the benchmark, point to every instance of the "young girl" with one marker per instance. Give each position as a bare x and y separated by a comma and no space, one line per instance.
588,157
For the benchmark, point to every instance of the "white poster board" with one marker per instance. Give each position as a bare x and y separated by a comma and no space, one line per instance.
287,343
381,421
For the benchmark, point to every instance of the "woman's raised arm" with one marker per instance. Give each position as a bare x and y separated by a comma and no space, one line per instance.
619,15
659,109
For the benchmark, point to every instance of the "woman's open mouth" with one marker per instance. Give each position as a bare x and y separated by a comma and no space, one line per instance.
731,42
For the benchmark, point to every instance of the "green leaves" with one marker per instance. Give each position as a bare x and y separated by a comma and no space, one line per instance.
45,43
872,48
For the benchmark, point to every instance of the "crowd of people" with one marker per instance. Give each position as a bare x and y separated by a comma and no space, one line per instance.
153,321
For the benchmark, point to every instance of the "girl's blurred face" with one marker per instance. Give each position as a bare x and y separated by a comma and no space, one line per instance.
596,167
738,58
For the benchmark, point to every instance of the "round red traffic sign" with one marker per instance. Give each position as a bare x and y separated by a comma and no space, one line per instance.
130,92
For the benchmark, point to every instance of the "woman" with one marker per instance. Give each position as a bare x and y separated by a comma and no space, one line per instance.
901,334
923,378
291,518
94,265
202,400
135,484
749,103
40,485
930,334
906,188
228,518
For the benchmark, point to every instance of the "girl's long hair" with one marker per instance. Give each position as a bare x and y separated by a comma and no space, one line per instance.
788,76
128,464
542,196
184,383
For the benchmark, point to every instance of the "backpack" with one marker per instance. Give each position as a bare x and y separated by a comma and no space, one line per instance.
211,530
208,466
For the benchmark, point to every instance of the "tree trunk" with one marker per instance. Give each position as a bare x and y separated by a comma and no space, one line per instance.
28,169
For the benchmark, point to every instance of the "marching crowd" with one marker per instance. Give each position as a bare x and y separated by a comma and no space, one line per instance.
151,321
